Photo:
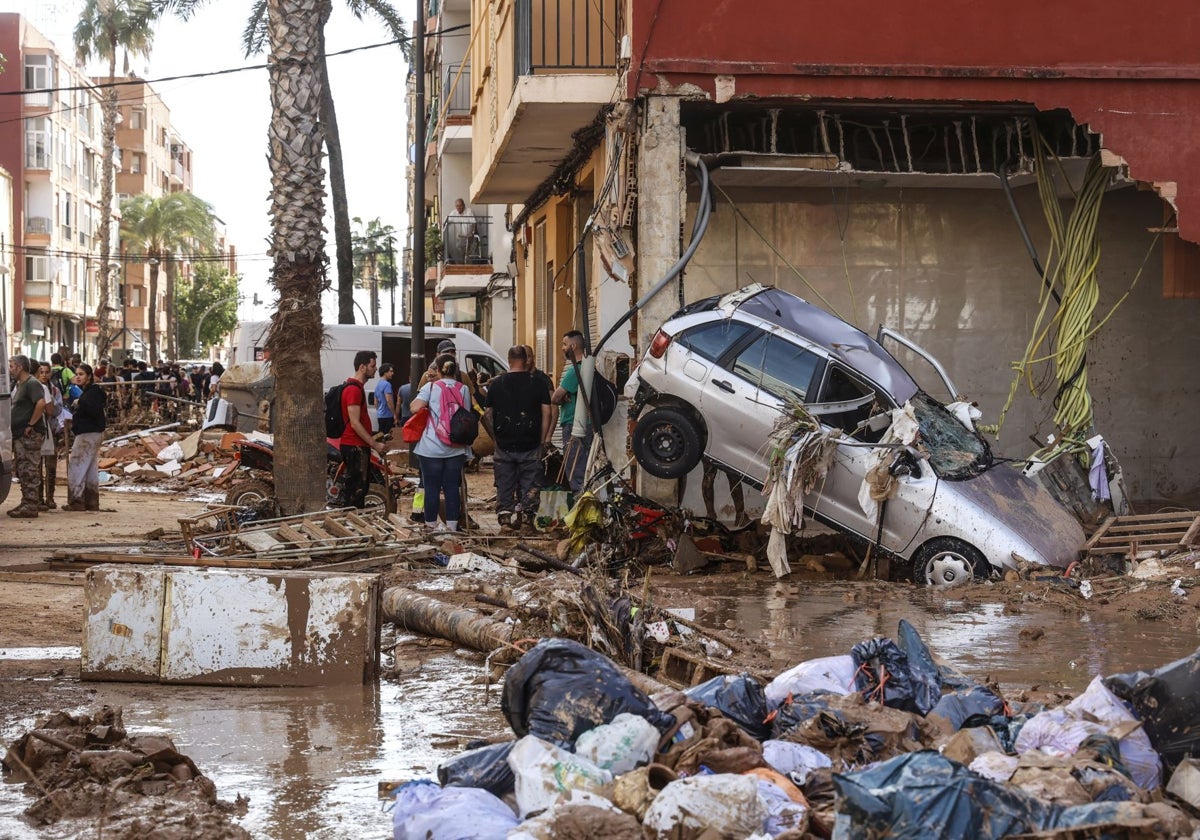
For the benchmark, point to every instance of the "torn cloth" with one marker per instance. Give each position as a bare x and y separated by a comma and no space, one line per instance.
793,477
879,484
1098,474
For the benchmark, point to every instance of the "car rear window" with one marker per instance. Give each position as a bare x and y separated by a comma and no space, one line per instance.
778,366
712,340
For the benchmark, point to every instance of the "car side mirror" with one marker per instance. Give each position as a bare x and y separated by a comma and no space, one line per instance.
906,462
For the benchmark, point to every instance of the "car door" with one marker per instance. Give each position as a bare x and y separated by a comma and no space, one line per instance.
746,396
695,353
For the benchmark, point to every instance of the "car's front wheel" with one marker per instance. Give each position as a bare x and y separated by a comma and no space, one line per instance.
946,561
667,442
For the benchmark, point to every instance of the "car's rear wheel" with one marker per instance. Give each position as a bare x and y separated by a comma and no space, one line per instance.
947,561
667,442
249,493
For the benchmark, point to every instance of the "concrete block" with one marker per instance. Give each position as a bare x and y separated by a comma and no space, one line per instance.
122,630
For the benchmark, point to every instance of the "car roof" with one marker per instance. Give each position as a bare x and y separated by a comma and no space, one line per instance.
844,342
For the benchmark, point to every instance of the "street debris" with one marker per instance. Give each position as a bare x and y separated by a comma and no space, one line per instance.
86,769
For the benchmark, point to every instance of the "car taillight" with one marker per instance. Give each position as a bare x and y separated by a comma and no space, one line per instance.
660,344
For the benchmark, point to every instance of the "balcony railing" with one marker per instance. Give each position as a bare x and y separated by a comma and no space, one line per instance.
465,240
457,96
37,224
565,35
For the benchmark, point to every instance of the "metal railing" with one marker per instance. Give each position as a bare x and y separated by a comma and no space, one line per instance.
465,240
565,35
457,96
37,224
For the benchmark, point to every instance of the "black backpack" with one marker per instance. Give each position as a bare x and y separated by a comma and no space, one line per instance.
335,425
464,426
604,393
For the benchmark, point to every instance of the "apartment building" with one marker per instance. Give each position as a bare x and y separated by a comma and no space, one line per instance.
156,161
50,144
867,166
468,281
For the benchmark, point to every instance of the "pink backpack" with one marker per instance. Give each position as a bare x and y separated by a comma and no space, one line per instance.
450,403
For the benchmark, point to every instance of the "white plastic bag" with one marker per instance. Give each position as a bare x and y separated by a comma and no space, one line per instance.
626,742
834,674
546,773
726,804
542,827
782,814
425,811
1137,753
794,760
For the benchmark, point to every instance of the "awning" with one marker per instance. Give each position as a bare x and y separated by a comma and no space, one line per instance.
462,285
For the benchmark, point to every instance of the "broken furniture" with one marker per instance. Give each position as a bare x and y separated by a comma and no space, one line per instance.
1129,536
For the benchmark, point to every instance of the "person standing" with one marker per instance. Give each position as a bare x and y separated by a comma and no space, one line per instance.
385,399
28,433
520,414
573,414
357,441
214,379
442,461
87,426
53,419
60,374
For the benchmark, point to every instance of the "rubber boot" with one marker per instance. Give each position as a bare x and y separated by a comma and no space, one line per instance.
91,499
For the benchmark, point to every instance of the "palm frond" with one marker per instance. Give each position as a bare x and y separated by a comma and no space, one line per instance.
254,36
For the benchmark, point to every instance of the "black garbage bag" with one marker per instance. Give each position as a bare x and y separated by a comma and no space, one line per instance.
1006,728
924,673
485,767
798,709
1167,701
739,698
960,706
924,794
561,689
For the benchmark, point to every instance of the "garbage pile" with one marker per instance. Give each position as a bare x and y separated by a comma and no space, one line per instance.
169,459
884,740
87,767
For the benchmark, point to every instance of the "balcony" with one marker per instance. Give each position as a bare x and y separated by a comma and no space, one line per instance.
564,70
37,225
465,241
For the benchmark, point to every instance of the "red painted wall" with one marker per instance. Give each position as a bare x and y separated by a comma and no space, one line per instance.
1129,71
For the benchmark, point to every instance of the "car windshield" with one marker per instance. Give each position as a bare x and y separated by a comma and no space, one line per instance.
955,452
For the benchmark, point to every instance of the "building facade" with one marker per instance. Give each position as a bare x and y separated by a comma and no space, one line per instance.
50,144
862,166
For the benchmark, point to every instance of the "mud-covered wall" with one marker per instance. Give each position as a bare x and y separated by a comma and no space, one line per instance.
948,268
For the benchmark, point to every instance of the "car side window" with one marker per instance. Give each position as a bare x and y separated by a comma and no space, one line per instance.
712,340
840,386
778,366
485,364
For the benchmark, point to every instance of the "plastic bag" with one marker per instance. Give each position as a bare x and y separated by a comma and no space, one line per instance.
1167,701
425,811
739,698
581,815
886,673
1137,751
797,761
924,794
797,710
782,813
960,706
545,773
832,674
923,671
486,767
561,689
725,804
623,745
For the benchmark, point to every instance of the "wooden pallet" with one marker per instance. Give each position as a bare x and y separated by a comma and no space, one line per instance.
1129,535
324,533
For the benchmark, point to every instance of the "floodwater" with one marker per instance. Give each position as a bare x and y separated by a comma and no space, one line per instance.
310,760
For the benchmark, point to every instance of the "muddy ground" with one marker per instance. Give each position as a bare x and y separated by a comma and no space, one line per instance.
309,761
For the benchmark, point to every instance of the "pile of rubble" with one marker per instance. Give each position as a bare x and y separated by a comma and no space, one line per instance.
167,458
883,740
88,768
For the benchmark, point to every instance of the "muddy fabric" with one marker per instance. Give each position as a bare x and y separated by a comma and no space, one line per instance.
83,473
712,741
27,456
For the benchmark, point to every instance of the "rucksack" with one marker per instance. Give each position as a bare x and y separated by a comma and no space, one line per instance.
604,394
335,424
457,428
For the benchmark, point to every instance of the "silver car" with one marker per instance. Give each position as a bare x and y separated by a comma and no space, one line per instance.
715,379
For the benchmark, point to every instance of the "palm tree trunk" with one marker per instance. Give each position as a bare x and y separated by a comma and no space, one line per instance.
297,244
172,319
344,254
107,174
152,308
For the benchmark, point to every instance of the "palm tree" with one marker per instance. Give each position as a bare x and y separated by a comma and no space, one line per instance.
104,28
253,40
161,228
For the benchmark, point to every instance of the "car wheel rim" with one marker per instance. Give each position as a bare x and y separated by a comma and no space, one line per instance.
948,568
667,443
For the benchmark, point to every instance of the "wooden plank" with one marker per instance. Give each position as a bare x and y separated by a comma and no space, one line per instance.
261,541
293,536
365,527
1155,517
68,578
1150,527
1189,539
1160,536
315,531
1101,531
337,529
93,558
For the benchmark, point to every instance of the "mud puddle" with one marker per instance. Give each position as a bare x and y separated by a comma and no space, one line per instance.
39,653
309,760
985,632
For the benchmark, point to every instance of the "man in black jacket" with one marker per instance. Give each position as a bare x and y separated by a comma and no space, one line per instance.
87,424
520,409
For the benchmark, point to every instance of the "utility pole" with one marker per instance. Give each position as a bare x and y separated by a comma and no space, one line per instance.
417,365
391,243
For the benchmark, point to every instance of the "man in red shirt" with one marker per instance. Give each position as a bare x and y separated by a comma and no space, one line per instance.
357,441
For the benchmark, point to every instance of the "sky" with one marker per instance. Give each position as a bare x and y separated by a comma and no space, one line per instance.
224,121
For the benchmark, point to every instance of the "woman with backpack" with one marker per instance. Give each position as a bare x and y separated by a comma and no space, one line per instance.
442,458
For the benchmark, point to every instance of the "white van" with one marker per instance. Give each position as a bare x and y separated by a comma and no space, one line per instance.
392,343
6,452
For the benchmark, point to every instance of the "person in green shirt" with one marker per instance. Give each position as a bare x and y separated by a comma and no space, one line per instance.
577,437
28,432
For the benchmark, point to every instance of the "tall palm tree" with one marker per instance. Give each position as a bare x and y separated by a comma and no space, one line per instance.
161,228
253,40
104,28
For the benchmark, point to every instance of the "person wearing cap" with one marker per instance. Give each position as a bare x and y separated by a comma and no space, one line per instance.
446,348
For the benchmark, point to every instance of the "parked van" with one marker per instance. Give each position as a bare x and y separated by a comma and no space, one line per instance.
6,451
392,343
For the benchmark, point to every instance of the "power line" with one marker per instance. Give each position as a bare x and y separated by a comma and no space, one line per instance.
133,259
102,85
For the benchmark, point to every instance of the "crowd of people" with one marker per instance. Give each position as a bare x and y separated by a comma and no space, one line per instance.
62,407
